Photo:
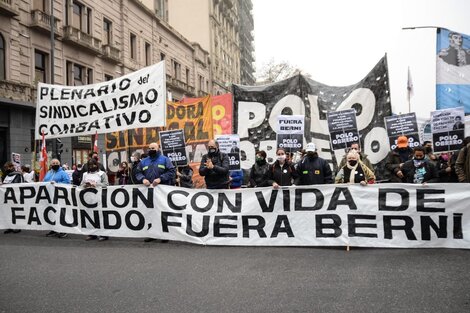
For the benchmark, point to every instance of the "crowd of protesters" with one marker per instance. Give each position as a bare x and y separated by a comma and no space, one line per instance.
402,165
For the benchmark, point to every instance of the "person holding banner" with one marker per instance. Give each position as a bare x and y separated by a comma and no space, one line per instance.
419,170
11,176
396,158
156,168
355,171
362,156
462,165
259,171
313,170
184,176
123,173
94,178
135,160
281,172
215,167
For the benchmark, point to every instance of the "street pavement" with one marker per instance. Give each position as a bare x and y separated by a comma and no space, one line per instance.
40,274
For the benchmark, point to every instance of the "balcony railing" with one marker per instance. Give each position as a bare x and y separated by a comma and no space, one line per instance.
7,8
112,53
85,40
17,91
202,93
42,21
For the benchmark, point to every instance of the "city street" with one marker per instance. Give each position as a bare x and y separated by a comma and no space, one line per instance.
40,274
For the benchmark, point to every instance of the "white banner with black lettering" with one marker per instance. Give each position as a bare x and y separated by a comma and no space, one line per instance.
389,215
136,100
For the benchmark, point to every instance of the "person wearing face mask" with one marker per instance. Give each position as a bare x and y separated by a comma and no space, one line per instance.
281,172
313,170
56,175
259,171
135,160
123,173
354,171
419,170
215,167
156,168
362,156
11,176
395,160
92,155
94,178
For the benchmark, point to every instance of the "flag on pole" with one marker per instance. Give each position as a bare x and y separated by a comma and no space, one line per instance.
409,85
43,159
95,144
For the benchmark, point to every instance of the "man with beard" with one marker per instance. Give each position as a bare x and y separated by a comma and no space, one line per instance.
396,158
215,167
313,170
156,168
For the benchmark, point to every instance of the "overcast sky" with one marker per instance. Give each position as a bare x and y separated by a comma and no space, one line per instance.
339,41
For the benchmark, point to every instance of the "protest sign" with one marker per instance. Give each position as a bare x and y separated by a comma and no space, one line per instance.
448,129
290,132
174,147
343,128
230,145
402,125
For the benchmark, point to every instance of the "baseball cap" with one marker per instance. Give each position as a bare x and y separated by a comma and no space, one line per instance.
402,142
310,147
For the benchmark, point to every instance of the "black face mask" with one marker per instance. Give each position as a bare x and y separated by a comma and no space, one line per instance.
352,162
428,150
55,167
312,155
96,158
152,153
212,151
93,169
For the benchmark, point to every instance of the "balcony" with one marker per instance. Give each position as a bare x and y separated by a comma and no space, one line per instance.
42,22
179,85
77,37
202,93
17,91
7,8
111,53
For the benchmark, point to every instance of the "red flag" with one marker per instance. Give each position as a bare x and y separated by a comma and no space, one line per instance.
95,145
43,159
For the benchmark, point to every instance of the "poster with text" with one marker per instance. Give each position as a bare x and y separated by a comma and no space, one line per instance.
230,145
290,132
174,147
402,125
448,129
342,126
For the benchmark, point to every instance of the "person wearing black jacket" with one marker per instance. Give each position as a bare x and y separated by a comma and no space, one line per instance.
396,158
135,160
281,172
12,176
259,171
313,170
215,167
419,170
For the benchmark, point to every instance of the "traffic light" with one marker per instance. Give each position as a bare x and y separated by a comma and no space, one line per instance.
60,146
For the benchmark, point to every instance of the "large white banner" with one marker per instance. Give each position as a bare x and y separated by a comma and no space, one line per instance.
388,215
132,101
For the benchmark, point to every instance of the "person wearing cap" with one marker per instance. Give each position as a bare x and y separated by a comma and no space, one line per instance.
354,171
396,158
362,157
313,170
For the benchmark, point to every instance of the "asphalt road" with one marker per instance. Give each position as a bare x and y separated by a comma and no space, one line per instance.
39,274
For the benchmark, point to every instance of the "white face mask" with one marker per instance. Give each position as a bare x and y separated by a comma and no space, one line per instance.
132,159
281,157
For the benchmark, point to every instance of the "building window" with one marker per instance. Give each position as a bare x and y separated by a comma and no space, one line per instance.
77,15
133,46
108,77
2,58
40,66
39,5
148,54
107,29
187,76
78,75
81,17
176,70
201,82
162,56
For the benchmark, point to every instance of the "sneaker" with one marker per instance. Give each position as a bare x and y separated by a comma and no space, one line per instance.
51,234
164,241
149,239
102,238
62,235
91,237
16,231
8,231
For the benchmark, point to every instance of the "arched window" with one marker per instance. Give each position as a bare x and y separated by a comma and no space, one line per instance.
2,58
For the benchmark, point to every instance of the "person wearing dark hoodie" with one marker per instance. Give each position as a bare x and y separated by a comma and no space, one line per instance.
281,172
12,176
215,167
259,171
313,170
419,170
396,158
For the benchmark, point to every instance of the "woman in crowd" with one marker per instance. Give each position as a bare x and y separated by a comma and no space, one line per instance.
123,173
259,171
281,172
354,171
11,176
94,178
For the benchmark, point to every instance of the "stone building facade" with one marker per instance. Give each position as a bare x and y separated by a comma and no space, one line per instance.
94,41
